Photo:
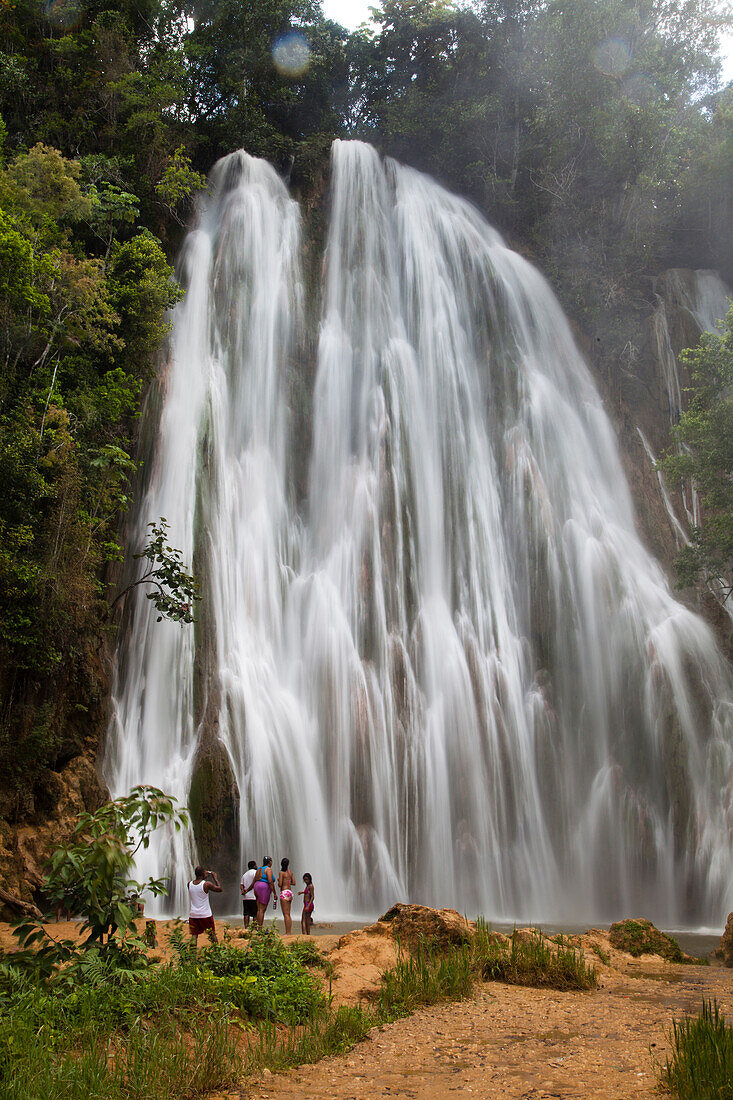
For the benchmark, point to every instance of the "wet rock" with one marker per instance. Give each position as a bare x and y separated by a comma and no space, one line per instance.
17,906
725,950
25,849
214,804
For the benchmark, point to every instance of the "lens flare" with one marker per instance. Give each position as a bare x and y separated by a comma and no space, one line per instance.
612,57
291,54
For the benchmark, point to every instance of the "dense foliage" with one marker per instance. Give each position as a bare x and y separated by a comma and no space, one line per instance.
172,1027
592,131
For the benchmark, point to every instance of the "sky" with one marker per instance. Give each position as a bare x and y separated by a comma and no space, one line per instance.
350,13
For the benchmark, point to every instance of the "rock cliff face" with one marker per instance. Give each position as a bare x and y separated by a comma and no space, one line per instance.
37,813
26,845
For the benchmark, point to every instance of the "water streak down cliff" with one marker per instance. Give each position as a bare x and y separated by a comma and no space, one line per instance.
453,674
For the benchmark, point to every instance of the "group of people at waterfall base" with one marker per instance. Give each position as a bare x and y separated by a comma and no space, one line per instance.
257,887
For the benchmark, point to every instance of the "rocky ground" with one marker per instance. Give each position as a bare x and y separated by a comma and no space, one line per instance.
510,1041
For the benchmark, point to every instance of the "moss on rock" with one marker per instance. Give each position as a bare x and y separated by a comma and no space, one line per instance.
214,805
640,937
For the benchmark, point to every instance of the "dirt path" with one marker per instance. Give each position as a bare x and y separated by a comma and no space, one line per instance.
514,1042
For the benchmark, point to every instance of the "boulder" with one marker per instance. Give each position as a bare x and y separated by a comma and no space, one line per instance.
726,943
415,924
640,937
214,804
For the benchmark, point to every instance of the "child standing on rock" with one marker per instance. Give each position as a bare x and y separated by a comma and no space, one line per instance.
309,894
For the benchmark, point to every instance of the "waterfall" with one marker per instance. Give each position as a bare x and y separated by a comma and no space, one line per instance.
688,303
447,671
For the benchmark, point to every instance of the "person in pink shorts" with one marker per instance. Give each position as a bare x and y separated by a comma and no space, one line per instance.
264,888
285,884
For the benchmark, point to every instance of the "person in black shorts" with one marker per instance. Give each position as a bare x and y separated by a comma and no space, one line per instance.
249,904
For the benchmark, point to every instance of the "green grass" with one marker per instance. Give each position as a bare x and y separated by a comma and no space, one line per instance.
163,1032
144,1063
701,1064
529,959
426,977
179,1030
329,1032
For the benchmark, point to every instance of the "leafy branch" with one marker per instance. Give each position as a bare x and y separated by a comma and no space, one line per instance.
91,875
175,591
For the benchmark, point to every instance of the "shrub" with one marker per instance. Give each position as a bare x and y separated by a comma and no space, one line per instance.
308,954
265,980
529,959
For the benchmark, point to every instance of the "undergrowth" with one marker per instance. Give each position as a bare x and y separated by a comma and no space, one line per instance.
128,1030
529,959
146,1032
425,977
327,1033
700,1066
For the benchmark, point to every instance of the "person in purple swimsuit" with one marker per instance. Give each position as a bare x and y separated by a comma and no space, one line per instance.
264,887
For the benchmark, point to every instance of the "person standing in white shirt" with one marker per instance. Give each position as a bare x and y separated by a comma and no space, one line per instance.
200,917
249,904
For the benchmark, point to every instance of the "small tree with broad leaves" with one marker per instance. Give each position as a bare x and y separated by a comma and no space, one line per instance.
91,874
175,591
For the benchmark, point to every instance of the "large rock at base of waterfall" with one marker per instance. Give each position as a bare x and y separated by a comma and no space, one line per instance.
414,924
725,951
640,937
214,804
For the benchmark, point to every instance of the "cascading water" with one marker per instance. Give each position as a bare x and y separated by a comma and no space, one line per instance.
452,674
699,297
688,304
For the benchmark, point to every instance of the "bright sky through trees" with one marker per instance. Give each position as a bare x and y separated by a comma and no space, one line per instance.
351,13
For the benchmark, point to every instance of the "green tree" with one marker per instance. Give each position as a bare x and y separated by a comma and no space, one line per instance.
239,96
175,591
91,875
82,318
